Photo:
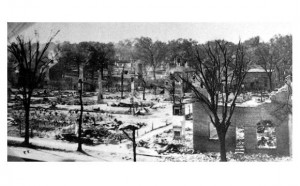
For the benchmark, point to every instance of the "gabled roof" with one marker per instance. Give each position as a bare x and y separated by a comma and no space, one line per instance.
257,68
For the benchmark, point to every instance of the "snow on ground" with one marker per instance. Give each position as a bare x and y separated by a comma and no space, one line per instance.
48,155
159,117
251,103
160,121
52,150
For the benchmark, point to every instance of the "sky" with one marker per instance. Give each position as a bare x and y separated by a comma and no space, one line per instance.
116,31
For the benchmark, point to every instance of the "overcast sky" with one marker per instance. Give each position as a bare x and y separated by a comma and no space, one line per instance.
114,32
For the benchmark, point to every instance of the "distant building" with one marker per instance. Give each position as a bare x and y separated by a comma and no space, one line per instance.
257,79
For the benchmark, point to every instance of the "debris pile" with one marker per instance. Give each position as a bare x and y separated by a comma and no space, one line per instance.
164,143
231,157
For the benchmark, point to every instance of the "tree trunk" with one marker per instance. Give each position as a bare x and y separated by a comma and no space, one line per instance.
80,119
270,81
154,75
221,136
93,82
278,76
134,145
100,90
144,92
27,110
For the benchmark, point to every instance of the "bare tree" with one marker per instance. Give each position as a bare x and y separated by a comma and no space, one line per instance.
221,68
80,84
32,61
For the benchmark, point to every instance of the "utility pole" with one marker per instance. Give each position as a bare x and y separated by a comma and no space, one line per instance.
132,73
122,79
132,93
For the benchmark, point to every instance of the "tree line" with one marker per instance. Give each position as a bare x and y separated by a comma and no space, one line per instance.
273,56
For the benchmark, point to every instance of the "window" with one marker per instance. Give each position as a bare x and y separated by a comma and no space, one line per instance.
213,132
177,111
176,134
266,136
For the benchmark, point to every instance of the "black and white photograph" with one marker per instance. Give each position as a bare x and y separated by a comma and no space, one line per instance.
77,98
145,96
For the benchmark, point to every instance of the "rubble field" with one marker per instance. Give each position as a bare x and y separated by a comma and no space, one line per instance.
54,118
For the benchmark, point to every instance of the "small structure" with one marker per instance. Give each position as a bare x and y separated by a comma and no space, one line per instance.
256,78
177,130
182,109
179,109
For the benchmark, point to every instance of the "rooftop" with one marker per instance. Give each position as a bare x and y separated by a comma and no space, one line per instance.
256,70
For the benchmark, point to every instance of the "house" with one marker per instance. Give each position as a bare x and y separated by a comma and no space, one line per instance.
257,79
